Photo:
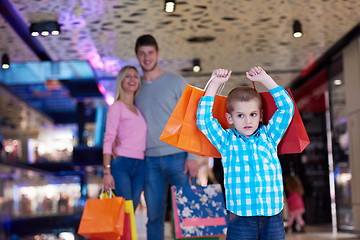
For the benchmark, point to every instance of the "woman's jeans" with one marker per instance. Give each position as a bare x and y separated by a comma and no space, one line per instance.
160,171
129,178
254,228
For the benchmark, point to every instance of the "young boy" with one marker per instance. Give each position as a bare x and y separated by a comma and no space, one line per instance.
252,171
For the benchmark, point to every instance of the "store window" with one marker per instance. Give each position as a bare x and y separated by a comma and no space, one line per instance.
27,193
340,146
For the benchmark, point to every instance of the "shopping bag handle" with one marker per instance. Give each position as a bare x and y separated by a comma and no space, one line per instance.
220,88
103,195
253,83
192,181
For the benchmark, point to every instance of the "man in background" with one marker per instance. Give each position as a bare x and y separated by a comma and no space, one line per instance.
165,164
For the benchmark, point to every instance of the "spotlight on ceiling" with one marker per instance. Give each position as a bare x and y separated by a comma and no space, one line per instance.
169,6
196,65
337,82
297,32
5,61
45,28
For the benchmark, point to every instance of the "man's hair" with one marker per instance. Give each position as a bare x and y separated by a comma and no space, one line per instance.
146,40
242,94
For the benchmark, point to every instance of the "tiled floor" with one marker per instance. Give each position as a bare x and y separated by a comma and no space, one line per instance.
312,232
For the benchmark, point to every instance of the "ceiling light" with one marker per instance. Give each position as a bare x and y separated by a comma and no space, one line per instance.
297,32
5,61
45,28
337,82
169,6
45,33
55,33
196,65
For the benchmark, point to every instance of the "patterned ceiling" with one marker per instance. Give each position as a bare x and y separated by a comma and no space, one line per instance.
245,33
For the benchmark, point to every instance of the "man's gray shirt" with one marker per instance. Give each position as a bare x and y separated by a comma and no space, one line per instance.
157,100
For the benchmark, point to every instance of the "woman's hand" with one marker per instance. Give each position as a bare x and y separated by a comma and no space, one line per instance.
108,182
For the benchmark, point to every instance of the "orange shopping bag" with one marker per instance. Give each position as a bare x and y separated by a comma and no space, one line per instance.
181,130
103,219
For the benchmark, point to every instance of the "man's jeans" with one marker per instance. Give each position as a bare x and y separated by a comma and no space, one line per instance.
129,178
160,171
254,228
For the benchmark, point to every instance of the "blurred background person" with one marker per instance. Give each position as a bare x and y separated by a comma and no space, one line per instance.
294,191
126,130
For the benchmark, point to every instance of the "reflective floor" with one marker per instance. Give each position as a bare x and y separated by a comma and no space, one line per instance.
312,232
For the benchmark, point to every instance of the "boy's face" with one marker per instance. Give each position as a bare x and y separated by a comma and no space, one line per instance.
245,116
147,57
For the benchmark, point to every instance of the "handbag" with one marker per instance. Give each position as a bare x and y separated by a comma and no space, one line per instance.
181,130
202,238
103,219
198,211
295,138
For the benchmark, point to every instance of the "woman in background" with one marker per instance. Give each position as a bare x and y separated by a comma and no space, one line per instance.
126,131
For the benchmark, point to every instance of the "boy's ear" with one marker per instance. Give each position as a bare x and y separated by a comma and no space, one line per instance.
228,118
261,115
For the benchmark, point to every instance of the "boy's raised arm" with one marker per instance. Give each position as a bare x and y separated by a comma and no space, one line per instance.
218,77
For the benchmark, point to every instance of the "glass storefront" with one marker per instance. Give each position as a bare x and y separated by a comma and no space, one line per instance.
27,193
340,146
29,200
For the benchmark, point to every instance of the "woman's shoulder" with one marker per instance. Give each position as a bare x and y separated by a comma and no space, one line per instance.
116,106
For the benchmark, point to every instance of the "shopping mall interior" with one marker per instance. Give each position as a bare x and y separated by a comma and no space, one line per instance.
59,64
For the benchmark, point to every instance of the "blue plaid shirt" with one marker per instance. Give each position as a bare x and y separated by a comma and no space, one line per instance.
252,171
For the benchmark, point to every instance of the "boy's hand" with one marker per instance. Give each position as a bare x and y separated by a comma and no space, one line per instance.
257,74
220,76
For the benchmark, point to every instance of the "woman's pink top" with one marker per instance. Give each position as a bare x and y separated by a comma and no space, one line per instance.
295,201
129,128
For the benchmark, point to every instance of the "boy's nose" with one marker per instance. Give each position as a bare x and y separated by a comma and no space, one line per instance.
248,120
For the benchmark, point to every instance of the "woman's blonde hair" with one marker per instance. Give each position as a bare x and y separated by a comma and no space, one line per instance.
121,76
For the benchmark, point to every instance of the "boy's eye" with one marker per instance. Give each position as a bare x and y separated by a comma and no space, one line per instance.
253,114
240,115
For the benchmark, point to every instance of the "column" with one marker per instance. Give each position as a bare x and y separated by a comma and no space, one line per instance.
351,57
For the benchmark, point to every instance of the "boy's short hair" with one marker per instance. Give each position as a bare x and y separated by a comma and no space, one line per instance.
146,40
242,94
